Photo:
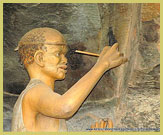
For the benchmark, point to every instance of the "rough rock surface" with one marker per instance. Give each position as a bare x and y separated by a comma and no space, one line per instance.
130,94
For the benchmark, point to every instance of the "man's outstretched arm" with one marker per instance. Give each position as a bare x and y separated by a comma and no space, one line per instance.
74,97
51,104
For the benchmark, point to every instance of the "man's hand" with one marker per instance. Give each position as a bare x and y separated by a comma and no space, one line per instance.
110,57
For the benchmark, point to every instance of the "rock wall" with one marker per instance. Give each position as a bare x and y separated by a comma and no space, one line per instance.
79,23
129,94
143,96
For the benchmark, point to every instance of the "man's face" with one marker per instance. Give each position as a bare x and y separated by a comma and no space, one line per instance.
55,61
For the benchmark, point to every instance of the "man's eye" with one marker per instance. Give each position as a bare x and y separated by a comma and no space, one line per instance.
58,54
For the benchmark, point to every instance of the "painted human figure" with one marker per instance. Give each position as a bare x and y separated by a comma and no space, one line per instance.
39,107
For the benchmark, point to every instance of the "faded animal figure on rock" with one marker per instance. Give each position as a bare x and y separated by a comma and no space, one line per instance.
39,107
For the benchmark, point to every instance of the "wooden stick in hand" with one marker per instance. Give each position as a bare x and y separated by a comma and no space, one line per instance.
87,53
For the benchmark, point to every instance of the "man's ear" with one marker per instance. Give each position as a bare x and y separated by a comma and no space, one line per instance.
38,58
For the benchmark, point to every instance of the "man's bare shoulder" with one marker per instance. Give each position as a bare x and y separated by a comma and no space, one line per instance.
38,89
38,92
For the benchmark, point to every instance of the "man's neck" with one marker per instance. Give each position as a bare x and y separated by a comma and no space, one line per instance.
48,82
38,75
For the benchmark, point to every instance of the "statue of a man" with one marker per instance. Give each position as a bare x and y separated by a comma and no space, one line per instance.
39,108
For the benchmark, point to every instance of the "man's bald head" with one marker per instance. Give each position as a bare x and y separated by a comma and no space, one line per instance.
34,40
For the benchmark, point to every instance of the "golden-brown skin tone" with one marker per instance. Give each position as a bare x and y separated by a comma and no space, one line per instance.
42,107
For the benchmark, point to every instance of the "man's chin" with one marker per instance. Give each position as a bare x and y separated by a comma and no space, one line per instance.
61,77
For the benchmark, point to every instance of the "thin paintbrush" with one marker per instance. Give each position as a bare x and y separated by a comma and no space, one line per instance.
87,53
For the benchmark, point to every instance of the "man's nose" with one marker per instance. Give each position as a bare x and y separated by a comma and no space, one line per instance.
64,59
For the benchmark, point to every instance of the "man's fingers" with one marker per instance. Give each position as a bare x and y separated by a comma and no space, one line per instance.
119,61
117,55
115,46
125,60
121,54
105,49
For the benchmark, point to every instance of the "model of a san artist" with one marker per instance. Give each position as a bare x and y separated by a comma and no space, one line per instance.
39,108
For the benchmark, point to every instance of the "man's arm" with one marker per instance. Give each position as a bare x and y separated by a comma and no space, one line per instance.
44,100
109,58
55,105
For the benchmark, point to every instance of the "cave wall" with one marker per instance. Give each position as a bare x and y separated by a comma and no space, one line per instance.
79,23
85,26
